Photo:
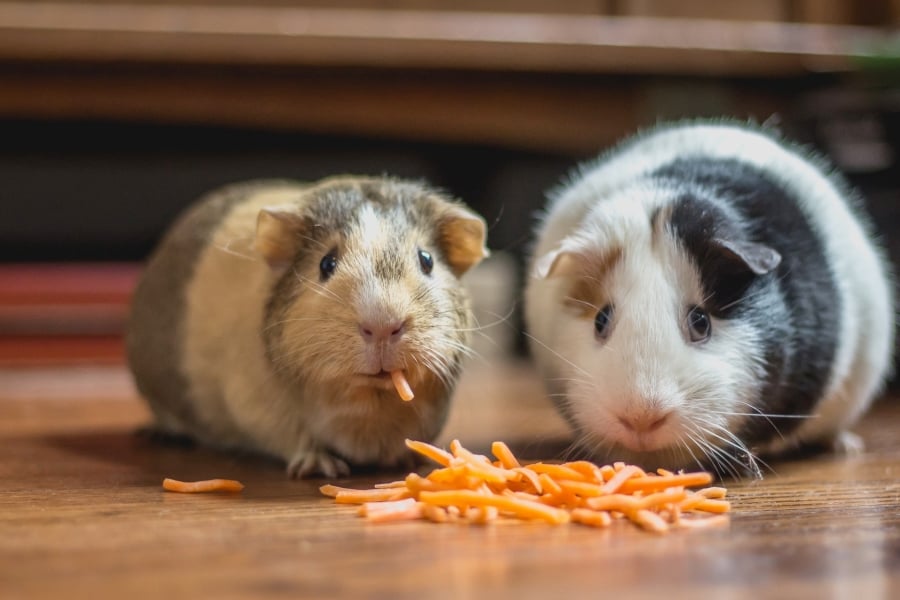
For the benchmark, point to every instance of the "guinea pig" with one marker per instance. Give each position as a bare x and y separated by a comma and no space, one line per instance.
273,313
708,294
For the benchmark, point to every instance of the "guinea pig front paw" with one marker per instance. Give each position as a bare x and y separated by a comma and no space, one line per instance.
316,461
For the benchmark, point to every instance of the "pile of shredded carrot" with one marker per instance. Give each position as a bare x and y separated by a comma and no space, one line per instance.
471,488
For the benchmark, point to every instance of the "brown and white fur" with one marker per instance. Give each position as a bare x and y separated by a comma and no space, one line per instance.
271,313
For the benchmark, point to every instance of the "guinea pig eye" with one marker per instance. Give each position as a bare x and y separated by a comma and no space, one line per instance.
699,325
603,322
426,261
327,265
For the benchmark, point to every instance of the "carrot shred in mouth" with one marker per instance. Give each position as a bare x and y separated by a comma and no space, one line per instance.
402,385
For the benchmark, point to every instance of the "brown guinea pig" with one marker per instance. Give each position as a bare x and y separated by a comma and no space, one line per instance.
273,313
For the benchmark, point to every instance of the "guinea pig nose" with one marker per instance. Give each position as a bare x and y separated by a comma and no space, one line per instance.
644,422
382,332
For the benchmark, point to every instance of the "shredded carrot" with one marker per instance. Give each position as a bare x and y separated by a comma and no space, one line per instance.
618,480
402,385
351,496
595,518
392,510
504,455
525,509
442,457
206,485
649,483
473,488
650,521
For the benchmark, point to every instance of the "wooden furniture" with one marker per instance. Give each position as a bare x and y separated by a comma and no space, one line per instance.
526,75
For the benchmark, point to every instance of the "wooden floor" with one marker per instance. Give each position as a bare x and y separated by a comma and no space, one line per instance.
82,515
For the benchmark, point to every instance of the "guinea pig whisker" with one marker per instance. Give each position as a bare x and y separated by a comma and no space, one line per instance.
766,417
321,245
592,442
226,248
464,350
317,287
584,302
735,442
746,298
722,461
759,414
558,355
769,420
690,451
436,364
725,458
275,324
499,320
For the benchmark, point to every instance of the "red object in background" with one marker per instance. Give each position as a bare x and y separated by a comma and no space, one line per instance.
64,313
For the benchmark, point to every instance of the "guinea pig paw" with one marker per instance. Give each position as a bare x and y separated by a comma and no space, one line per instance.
309,462
848,444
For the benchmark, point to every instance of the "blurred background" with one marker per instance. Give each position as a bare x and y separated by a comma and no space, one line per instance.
115,115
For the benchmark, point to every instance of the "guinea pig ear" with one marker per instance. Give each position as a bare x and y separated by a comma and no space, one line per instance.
278,231
462,235
758,258
556,263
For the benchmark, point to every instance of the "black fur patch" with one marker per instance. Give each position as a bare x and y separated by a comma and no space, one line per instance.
796,306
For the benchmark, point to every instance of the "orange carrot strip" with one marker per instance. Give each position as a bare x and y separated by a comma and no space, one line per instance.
614,502
591,471
549,485
491,473
532,478
390,484
206,485
523,508
505,455
434,513
415,483
584,489
442,457
558,471
481,514
669,496
455,477
481,466
659,482
650,521
608,472
467,456
396,510
618,481
707,505
353,496
402,385
595,518
716,493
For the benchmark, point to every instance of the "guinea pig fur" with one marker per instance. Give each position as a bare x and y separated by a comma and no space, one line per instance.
707,294
270,315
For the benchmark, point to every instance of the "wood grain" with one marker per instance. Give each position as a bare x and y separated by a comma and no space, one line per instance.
83,515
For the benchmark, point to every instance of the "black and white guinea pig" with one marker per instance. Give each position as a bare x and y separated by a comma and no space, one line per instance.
707,294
